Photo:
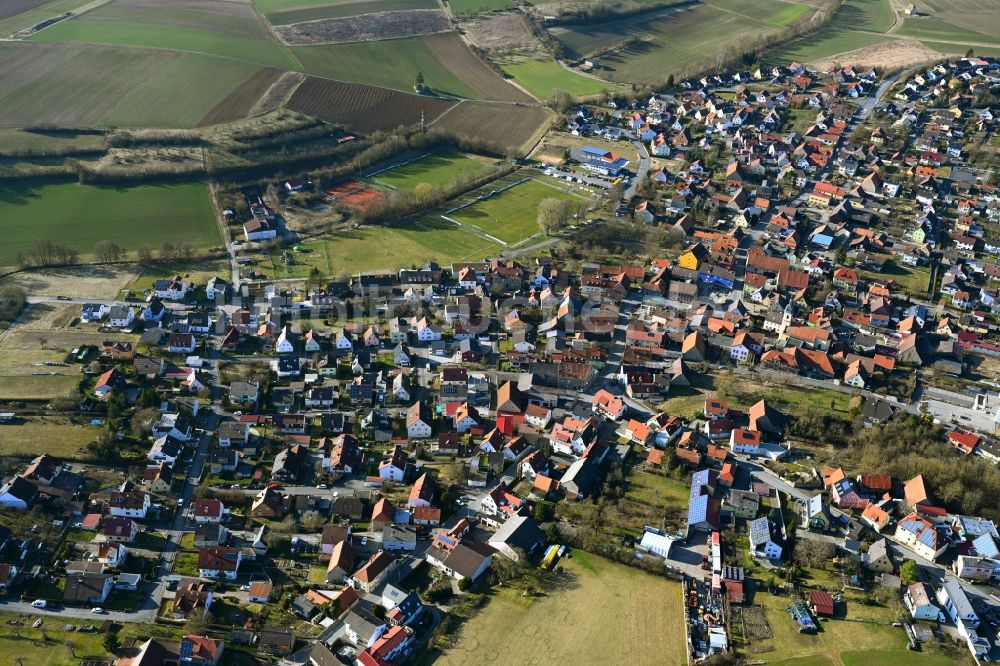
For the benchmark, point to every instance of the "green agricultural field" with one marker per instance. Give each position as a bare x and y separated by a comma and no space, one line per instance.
41,11
439,170
661,43
106,26
512,215
841,35
468,7
824,44
446,63
934,29
387,247
873,15
99,86
518,127
340,8
513,629
268,6
542,77
81,215
960,49
775,12
981,16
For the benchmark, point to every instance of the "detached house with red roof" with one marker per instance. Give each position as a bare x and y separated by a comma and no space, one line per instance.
374,571
608,405
209,511
219,562
966,442
745,441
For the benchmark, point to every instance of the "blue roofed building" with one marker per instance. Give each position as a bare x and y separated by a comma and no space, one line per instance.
703,509
603,161
986,546
763,543
823,241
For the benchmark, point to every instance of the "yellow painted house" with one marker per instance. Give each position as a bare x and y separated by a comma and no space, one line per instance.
692,257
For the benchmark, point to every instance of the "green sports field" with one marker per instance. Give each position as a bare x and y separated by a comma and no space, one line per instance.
512,215
542,77
80,215
439,170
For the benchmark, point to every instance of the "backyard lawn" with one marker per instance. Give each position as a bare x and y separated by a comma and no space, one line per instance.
838,642
596,612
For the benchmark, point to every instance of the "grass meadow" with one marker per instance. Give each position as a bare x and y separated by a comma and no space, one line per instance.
61,438
80,215
406,244
596,612
542,77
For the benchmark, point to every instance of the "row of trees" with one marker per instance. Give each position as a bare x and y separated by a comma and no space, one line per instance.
48,253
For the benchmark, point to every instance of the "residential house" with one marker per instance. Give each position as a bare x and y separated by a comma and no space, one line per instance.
419,421
119,530
88,588
374,572
219,562
919,601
